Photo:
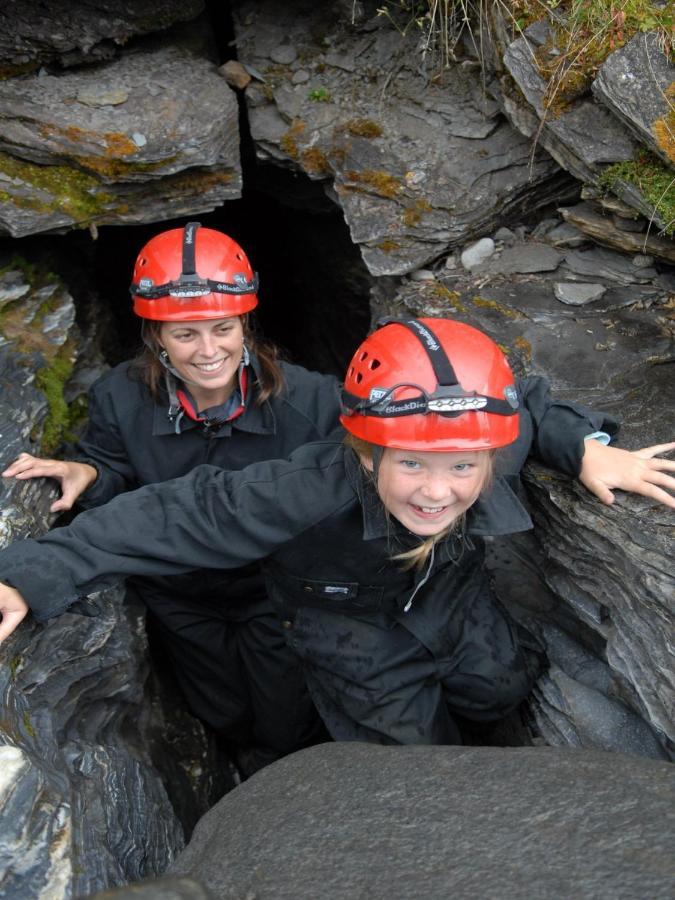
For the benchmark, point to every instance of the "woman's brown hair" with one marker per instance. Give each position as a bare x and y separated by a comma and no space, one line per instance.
150,370
418,556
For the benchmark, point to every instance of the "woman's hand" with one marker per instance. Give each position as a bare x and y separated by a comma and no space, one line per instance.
605,468
13,609
74,477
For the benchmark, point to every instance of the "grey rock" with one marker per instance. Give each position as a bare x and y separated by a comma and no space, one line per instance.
578,293
533,256
565,235
633,239
65,163
158,889
633,83
33,33
352,820
642,262
422,275
284,54
624,224
601,263
477,254
504,234
416,170
584,136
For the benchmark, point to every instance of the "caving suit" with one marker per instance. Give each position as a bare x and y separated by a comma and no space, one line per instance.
389,655
221,635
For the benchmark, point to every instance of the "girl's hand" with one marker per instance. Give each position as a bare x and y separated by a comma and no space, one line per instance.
13,609
605,468
74,477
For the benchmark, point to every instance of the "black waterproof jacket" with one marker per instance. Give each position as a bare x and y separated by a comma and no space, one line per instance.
388,655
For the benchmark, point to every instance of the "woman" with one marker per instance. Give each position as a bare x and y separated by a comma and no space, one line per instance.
205,390
372,550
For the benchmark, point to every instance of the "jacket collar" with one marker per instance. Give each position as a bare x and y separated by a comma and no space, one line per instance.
256,419
497,511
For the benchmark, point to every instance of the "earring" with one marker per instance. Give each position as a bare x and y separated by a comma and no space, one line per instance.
245,355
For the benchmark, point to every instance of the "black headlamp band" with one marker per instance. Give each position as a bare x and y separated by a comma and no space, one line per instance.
190,284
455,405
198,287
448,400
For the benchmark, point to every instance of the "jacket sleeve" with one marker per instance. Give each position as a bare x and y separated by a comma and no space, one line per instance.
102,447
206,519
560,427
315,397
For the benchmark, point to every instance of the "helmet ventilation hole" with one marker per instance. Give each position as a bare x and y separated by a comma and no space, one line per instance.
363,356
374,364
359,377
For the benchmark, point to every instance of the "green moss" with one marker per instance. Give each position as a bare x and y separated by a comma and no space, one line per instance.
388,246
319,95
51,380
27,725
500,308
444,293
69,190
314,161
652,178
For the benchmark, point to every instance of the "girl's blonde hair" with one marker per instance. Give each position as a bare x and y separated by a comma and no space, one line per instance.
418,556
150,370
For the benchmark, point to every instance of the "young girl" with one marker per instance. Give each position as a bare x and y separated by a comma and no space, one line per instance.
372,549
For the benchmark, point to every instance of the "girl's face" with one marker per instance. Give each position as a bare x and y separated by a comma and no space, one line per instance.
427,491
206,354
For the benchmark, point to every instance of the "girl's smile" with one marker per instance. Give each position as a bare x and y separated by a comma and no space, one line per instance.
427,491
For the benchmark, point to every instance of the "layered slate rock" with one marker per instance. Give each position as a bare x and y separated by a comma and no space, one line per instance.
354,820
418,165
103,145
602,574
33,33
637,83
82,740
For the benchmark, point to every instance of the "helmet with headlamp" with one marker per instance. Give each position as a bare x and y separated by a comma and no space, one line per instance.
192,273
430,384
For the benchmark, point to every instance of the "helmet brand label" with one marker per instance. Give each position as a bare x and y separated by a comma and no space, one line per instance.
377,394
188,292
145,283
429,339
240,279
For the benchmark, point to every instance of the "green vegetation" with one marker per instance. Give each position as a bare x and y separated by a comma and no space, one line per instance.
51,381
319,95
652,178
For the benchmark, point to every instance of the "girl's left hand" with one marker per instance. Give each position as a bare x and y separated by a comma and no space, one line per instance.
603,469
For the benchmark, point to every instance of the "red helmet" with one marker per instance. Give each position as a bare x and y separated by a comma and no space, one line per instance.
192,273
430,384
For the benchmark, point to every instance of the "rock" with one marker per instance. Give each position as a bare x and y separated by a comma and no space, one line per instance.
284,54
565,235
600,263
581,137
416,168
505,235
65,163
642,262
158,889
478,253
533,256
602,229
235,74
635,82
422,275
577,293
33,34
350,820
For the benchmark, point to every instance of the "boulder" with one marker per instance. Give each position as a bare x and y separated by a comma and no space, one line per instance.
354,820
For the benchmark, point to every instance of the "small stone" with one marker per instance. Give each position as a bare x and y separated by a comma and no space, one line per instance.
422,275
451,262
302,76
642,261
504,234
577,293
102,97
625,224
139,139
235,74
476,254
284,54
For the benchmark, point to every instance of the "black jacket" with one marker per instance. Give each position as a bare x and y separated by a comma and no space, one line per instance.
213,518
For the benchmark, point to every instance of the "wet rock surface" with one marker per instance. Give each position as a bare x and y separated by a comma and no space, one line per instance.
349,820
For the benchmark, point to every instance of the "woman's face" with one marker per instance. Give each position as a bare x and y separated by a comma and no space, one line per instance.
427,491
206,354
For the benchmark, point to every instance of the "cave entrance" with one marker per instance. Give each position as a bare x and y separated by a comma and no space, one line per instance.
314,286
